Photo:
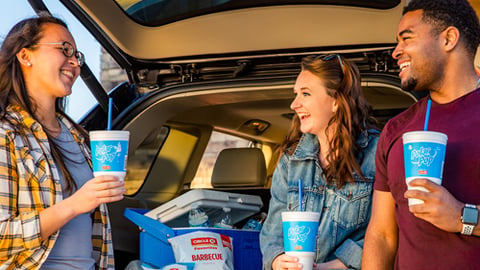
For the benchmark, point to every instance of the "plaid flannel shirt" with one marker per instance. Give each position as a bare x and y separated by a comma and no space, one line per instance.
29,183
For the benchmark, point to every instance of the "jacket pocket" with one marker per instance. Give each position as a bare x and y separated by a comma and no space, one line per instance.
352,204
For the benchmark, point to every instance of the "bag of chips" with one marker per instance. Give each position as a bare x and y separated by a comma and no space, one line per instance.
208,250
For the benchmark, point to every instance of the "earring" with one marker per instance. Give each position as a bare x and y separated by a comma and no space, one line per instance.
29,64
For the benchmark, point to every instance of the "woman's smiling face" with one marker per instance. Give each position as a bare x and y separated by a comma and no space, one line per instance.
49,73
312,104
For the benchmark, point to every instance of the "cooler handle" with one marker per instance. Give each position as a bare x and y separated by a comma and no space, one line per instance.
148,224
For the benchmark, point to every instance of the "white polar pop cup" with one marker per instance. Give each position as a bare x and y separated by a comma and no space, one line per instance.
300,236
424,157
109,152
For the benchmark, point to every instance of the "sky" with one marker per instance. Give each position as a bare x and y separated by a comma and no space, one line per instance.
81,100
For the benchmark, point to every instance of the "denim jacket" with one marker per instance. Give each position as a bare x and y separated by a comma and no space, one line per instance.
344,213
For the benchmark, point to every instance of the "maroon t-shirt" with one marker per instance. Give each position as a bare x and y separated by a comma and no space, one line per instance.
422,245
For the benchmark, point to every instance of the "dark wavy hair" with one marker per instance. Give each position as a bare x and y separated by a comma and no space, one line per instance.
352,118
25,34
444,13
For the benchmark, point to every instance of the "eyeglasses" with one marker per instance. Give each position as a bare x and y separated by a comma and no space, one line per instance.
331,56
68,50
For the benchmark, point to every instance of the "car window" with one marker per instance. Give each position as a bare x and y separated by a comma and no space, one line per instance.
156,168
159,12
140,161
218,142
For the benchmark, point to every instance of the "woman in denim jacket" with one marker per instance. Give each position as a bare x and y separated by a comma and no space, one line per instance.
331,149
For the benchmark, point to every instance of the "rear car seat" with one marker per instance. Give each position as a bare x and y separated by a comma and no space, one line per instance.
242,170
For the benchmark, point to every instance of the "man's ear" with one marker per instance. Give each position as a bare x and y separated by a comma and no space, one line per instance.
24,57
450,37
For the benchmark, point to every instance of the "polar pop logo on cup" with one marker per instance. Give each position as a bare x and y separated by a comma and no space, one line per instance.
109,152
424,157
299,235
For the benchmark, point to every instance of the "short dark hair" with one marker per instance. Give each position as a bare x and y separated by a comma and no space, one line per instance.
444,13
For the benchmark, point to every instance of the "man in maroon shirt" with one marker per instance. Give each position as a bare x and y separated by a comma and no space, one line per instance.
437,42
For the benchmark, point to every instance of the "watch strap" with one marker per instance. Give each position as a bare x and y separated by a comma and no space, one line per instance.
467,229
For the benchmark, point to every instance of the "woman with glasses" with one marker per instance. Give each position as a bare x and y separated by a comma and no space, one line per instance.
330,150
53,212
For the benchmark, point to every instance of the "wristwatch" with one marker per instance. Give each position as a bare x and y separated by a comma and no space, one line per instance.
469,218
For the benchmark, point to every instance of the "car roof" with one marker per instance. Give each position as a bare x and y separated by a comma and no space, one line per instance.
271,28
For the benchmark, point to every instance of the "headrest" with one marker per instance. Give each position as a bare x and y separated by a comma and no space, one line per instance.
239,167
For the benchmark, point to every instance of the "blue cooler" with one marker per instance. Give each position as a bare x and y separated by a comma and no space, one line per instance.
156,250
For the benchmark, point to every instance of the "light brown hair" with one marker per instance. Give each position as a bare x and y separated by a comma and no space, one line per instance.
352,118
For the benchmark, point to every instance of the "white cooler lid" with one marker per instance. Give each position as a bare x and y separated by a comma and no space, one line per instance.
175,212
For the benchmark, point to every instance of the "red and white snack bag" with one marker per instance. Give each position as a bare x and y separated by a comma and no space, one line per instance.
208,250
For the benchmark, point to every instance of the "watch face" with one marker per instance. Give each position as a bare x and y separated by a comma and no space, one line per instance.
470,215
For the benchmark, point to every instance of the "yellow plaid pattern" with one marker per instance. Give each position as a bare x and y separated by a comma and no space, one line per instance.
29,183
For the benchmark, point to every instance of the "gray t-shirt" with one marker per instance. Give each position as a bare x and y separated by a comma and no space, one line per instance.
73,248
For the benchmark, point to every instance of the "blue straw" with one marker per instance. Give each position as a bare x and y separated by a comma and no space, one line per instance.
300,194
427,114
109,120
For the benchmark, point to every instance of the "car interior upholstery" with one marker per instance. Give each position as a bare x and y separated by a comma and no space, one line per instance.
239,167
